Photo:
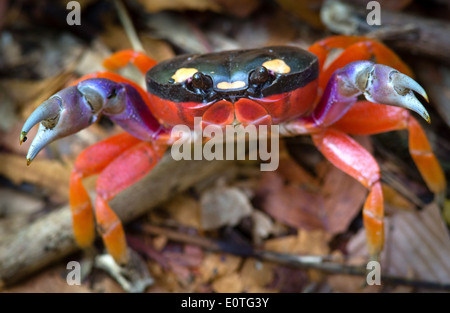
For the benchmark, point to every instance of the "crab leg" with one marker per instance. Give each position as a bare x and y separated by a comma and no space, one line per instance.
91,162
128,168
377,83
76,107
122,58
360,120
354,48
350,157
120,160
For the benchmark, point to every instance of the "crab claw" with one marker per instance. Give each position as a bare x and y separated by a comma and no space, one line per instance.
61,115
383,84
77,107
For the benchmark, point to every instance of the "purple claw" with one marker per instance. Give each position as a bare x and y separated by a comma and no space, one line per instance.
383,84
77,107
61,115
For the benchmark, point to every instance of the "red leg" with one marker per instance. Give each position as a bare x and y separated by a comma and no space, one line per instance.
122,58
371,118
122,172
347,155
90,162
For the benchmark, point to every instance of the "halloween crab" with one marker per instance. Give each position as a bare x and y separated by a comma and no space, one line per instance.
366,89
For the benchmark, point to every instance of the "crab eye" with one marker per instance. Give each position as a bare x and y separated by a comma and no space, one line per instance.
201,81
259,76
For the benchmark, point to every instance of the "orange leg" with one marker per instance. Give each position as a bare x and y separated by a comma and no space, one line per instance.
349,156
354,49
123,171
122,58
90,162
370,118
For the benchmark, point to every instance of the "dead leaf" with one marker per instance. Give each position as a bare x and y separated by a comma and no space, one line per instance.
293,172
185,210
291,204
286,244
223,206
417,245
305,243
256,275
159,242
217,265
230,284
49,174
343,200
263,226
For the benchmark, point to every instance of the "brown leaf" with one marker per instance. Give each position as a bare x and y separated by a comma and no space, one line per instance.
263,226
305,242
185,210
223,206
217,265
417,245
286,244
343,199
49,174
255,275
231,284
290,203
332,208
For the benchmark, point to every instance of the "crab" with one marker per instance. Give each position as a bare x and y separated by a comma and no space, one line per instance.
365,89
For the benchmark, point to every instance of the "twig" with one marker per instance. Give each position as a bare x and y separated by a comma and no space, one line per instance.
50,238
321,263
128,26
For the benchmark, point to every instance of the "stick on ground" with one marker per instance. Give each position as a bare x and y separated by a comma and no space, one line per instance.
50,238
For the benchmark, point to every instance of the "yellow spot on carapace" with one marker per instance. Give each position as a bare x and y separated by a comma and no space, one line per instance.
183,73
277,65
233,85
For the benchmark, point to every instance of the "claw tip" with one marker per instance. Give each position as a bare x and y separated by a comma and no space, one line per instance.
23,137
29,162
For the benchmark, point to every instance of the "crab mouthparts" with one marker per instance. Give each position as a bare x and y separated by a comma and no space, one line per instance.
244,112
